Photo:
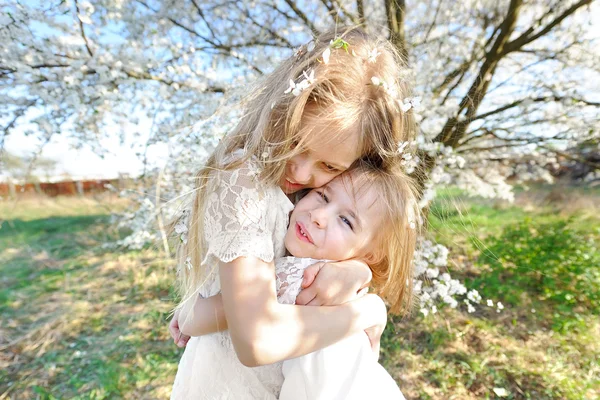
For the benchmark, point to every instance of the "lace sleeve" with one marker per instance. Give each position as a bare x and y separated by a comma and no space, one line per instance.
236,216
290,271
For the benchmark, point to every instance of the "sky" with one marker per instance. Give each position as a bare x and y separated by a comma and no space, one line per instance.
84,163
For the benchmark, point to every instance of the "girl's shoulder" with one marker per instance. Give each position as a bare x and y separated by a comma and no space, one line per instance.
241,175
238,168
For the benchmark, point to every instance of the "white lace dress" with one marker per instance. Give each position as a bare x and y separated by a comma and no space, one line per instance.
242,218
346,370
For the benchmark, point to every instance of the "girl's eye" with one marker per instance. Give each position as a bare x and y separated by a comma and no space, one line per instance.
323,196
346,221
330,168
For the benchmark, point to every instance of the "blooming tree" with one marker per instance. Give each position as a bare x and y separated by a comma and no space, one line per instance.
504,88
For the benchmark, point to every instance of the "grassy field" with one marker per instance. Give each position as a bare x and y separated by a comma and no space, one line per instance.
79,320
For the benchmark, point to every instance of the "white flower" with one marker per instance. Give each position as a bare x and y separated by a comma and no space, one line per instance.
375,81
490,303
326,55
500,307
181,227
470,308
411,102
297,88
402,146
373,54
291,88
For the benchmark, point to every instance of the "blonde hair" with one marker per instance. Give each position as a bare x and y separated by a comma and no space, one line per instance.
391,253
342,93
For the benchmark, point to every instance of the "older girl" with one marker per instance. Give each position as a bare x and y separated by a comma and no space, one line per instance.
312,119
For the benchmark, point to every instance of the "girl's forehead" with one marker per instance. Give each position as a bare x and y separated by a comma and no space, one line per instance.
328,143
357,190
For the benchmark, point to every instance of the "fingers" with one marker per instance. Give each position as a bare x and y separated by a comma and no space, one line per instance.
315,302
306,296
179,338
183,339
310,274
174,329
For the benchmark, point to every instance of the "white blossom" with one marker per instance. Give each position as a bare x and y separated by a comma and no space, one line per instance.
326,55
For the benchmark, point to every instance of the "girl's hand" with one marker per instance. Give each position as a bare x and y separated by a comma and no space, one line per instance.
179,338
327,284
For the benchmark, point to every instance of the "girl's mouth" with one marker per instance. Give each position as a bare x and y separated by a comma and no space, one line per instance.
302,233
292,187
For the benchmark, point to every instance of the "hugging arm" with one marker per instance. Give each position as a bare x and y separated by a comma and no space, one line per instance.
264,331
331,283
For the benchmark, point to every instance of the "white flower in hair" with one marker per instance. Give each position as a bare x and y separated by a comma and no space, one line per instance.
402,146
297,88
373,54
326,55
391,90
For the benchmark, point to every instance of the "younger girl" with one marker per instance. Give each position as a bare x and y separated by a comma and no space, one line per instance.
312,119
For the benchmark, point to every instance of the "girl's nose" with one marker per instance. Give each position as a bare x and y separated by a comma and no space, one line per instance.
319,216
302,172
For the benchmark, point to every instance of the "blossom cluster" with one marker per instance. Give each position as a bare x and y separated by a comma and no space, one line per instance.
434,287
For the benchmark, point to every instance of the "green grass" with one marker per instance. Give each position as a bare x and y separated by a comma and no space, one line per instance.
85,322
78,320
539,256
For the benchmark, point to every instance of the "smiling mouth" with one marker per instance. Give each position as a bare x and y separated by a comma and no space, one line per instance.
302,233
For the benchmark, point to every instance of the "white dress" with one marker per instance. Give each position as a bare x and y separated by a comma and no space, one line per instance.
242,218
346,370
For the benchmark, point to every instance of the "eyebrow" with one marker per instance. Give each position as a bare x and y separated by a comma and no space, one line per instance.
338,166
350,211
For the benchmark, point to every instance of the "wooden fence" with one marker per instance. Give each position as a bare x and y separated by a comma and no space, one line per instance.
65,188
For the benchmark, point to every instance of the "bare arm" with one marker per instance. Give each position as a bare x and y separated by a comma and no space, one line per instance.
264,331
324,284
202,316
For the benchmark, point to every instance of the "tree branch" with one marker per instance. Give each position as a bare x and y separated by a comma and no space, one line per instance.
303,17
526,39
87,45
453,130
395,13
361,12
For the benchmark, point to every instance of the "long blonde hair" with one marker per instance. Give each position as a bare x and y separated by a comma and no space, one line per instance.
342,93
391,253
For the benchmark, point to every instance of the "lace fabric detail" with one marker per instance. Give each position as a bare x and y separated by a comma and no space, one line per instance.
289,272
242,217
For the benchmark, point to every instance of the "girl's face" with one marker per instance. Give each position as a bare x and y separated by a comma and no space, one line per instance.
322,160
333,223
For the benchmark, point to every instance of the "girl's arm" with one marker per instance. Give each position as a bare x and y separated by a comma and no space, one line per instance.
264,331
324,284
203,316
